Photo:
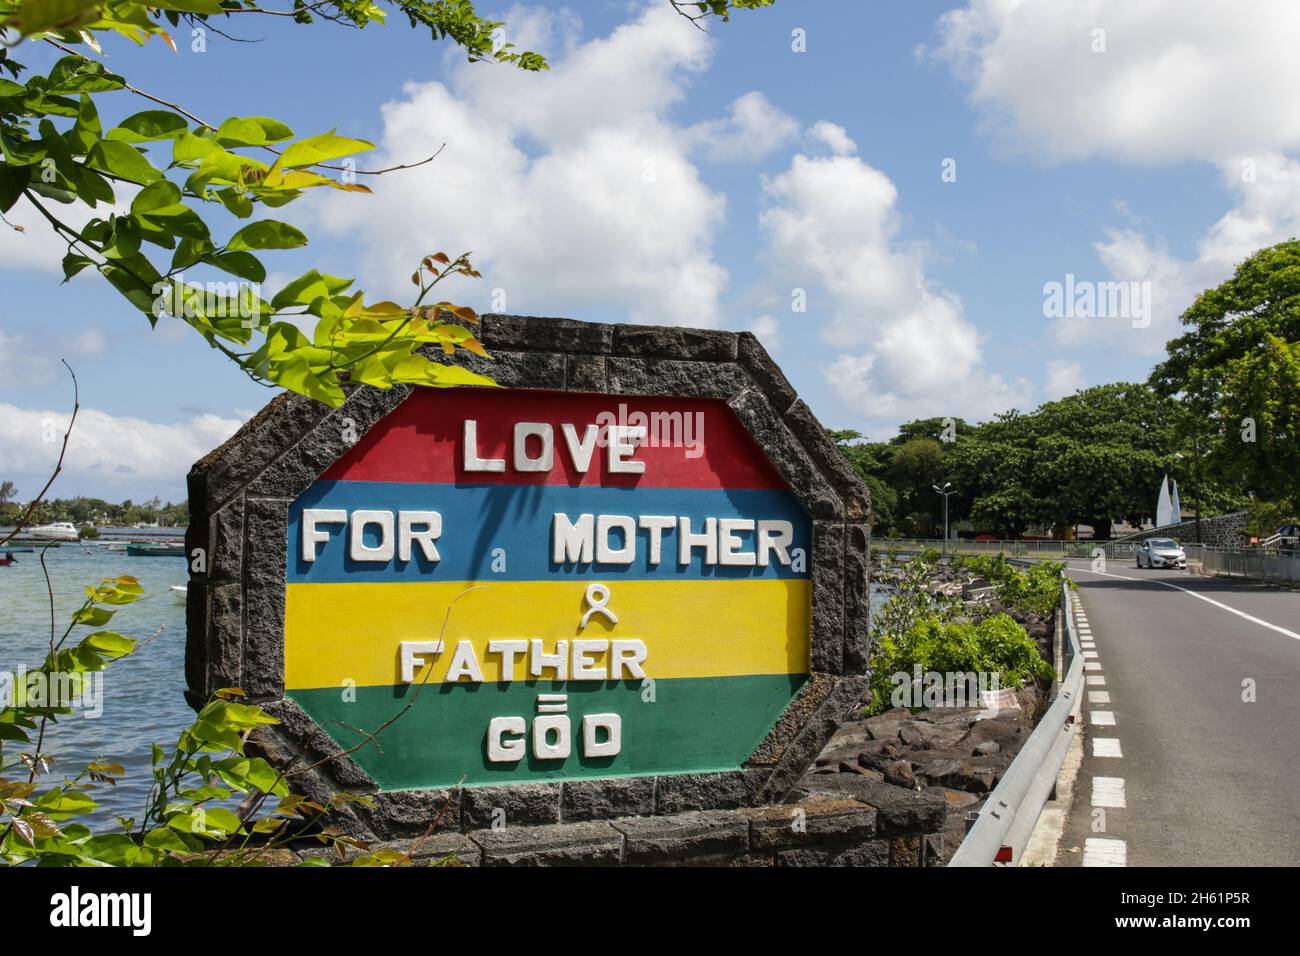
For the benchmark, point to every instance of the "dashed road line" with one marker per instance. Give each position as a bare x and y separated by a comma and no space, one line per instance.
1106,747
1098,851
1108,792
1099,697
1102,718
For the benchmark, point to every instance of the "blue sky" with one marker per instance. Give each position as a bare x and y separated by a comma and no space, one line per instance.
660,174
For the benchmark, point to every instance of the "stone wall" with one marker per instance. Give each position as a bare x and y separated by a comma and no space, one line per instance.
1221,531
865,824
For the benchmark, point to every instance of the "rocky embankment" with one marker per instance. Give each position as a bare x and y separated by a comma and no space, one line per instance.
958,754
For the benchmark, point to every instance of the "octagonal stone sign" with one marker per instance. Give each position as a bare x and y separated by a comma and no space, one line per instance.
631,580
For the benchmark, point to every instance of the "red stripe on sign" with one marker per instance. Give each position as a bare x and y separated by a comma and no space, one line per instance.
691,443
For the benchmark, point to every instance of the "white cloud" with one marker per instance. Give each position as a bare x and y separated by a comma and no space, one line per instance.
573,187
1266,211
1063,378
106,453
833,136
832,225
1178,79
753,129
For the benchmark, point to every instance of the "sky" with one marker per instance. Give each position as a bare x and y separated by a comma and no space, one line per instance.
885,193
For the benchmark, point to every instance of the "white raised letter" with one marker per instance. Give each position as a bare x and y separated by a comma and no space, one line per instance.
657,525
584,665
622,447
580,451
607,554
412,654
508,651
406,533
358,550
706,539
543,462
464,663
312,537
774,536
572,540
629,655
501,750
729,544
612,723
472,461
538,659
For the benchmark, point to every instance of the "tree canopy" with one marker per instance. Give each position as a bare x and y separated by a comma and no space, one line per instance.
1236,372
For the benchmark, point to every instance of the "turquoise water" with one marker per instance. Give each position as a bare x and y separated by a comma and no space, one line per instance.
141,695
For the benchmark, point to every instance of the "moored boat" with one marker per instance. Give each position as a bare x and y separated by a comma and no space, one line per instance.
58,531
155,549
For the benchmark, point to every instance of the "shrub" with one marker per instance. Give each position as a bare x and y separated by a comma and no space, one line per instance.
996,645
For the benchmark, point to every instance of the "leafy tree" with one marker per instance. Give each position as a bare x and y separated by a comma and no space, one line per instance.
7,492
1238,361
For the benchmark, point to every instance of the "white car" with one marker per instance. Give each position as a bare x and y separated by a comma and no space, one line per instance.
1161,553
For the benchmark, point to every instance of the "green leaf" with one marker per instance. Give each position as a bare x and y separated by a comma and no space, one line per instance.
147,126
188,6
13,180
76,74
242,264
124,161
189,149
236,202
93,616
34,16
163,194
267,234
307,288
109,644
320,149
72,264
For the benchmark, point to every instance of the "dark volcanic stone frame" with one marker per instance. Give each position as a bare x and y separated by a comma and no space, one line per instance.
239,501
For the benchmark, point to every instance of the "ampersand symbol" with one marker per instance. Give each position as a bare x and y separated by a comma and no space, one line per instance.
597,598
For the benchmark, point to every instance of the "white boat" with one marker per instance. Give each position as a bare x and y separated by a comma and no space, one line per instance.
59,531
181,591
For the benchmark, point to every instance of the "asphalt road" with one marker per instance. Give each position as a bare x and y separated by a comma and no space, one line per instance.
1208,778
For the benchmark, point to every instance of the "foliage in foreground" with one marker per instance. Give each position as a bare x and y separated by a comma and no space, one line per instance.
1035,589
996,645
187,819
915,628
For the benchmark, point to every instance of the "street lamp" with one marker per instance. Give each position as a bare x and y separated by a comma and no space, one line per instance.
945,492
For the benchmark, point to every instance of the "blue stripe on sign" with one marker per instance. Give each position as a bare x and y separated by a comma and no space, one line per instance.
477,520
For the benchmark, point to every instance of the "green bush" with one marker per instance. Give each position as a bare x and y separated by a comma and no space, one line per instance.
996,645
1033,589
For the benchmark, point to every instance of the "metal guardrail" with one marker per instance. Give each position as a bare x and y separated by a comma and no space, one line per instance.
1256,564
1057,549
1001,832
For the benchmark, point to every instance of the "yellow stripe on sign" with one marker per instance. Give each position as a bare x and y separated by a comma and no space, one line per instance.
338,632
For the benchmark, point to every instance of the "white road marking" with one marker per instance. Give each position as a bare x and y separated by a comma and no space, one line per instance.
1091,666
1108,792
1090,655
1106,747
1098,851
1096,680
1102,718
1219,604
1099,697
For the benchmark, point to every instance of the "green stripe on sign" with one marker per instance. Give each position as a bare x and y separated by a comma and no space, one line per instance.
691,725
